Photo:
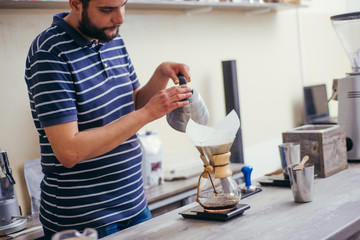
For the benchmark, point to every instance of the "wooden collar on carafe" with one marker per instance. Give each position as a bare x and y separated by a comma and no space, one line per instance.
221,165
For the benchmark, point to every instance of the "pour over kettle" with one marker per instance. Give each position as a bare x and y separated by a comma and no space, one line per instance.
196,110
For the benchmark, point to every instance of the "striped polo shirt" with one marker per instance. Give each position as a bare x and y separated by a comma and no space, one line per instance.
72,79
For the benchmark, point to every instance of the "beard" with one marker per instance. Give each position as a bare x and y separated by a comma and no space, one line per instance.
87,28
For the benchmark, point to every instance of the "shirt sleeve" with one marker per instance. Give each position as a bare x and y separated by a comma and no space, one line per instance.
52,89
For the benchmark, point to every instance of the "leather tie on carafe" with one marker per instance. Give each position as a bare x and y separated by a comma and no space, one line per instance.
208,169
221,167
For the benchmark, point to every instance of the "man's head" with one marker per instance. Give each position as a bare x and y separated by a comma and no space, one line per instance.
101,19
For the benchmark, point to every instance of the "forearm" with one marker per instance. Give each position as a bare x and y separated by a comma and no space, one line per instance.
156,83
72,146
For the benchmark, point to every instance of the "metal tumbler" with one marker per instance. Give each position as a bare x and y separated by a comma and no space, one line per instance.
302,183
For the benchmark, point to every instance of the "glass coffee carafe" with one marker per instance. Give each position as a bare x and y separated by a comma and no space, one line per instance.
217,190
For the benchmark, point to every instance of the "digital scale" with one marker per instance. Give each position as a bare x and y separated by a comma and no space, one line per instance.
199,213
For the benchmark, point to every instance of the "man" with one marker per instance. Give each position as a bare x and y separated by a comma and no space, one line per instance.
87,107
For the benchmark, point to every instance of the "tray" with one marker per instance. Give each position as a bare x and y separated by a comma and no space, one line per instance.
277,180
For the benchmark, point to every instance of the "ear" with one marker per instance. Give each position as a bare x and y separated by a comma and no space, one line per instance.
76,6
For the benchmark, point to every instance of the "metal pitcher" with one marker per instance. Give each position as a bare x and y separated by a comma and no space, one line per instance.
196,110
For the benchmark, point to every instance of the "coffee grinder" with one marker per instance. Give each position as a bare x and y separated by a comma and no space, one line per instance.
10,215
347,27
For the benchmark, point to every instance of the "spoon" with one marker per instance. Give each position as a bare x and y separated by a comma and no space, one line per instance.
302,164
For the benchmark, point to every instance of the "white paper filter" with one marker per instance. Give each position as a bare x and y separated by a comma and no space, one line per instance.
221,133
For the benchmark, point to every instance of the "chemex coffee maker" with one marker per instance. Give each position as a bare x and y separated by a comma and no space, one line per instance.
10,215
347,27
217,192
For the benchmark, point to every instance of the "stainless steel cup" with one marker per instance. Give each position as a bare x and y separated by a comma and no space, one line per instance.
302,183
289,155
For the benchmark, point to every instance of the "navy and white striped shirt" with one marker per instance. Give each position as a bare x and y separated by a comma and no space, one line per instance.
72,79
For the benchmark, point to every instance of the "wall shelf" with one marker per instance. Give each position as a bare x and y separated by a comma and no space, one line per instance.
186,6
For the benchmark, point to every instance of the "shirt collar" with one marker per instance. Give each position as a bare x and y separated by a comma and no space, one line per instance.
59,21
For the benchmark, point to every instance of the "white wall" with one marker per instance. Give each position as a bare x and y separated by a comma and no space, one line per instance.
328,6
264,45
352,6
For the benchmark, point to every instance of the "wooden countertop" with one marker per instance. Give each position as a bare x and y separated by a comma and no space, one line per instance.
333,214
155,195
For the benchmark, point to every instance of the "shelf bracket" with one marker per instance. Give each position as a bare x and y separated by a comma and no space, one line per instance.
258,11
198,10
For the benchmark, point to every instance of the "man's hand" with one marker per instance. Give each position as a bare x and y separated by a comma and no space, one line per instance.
171,69
167,100
159,80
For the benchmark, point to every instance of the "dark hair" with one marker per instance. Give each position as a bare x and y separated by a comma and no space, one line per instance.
85,4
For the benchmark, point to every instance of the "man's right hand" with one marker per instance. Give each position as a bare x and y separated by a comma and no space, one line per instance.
167,100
